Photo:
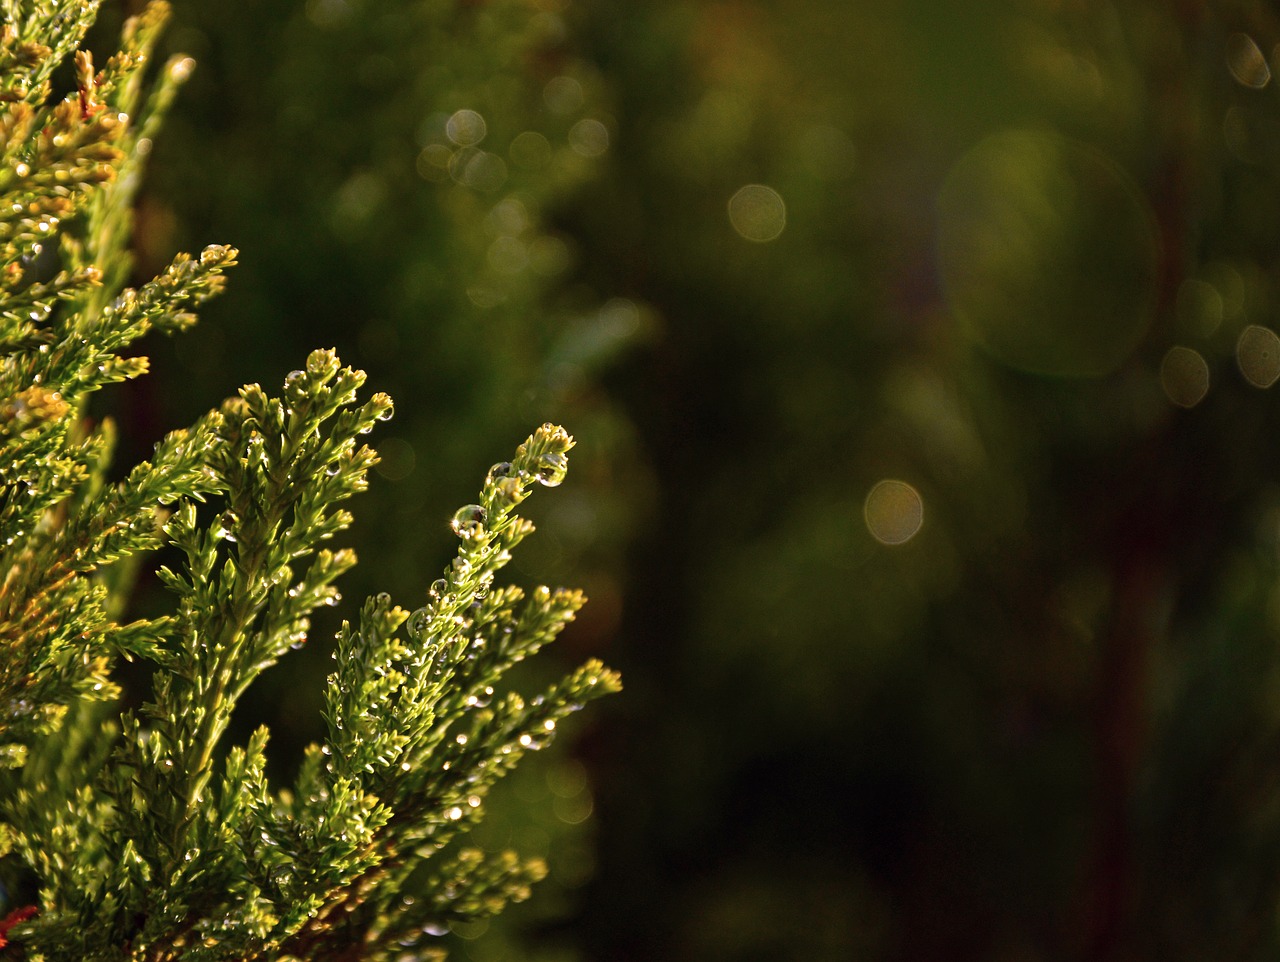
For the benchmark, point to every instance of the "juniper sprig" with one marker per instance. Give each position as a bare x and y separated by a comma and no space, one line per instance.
141,834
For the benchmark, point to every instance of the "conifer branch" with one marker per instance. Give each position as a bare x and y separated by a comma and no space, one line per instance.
142,833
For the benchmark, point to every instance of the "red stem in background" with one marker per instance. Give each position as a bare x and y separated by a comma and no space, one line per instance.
1120,742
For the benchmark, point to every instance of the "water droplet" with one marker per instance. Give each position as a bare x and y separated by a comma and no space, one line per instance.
438,589
468,521
551,468
419,621
500,470
455,813
383,599
481,699
295,381
226,524
461,738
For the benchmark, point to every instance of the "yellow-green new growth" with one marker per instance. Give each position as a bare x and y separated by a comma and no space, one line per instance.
140,835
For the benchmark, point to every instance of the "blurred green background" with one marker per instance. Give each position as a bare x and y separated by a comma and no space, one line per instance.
927,489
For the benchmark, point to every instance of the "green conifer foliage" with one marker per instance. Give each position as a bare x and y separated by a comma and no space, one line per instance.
144,836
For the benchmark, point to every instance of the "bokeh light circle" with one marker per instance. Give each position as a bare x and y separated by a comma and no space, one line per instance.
1258,355
1048,253
758,213
894,512
1184,375
1247,63
588,137
466,128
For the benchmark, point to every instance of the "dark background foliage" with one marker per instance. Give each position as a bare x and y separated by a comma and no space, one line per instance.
1018,256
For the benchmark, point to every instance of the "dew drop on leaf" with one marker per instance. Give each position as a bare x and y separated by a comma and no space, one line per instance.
551,469
419,620
482,698
468,521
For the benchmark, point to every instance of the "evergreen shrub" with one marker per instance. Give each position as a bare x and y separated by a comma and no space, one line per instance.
139,834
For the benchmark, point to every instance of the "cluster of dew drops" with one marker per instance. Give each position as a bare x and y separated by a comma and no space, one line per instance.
469,521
